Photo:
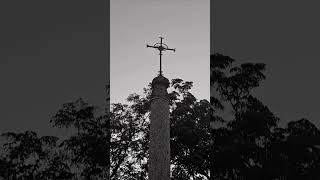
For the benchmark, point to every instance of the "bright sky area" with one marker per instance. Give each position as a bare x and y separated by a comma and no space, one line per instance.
184,24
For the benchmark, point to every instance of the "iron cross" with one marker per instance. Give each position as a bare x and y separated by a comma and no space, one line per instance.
161,47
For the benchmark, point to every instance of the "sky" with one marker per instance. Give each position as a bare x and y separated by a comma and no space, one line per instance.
51,52
184,24
285,36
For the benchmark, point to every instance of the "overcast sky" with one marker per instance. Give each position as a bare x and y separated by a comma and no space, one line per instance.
184,24
285,36
51,52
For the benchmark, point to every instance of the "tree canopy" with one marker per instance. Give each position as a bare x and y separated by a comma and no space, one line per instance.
205,144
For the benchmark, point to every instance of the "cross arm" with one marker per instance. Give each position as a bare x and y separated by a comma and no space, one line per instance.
174,50
148,46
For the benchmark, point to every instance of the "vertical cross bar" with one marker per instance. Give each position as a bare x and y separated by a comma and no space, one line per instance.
161,47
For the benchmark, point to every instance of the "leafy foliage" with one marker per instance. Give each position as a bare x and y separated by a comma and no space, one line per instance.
27,156
205,143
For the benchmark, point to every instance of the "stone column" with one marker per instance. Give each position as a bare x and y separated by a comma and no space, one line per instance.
159,147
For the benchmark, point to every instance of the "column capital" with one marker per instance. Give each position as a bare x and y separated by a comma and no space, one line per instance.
160,81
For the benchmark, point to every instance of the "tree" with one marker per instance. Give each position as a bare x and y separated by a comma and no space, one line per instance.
27,156
83,155
205,144
88,148
252,146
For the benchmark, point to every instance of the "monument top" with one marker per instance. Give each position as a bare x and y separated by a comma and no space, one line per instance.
160,80
161,47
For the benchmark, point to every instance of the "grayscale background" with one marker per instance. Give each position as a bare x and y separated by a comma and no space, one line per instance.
51,52
285,36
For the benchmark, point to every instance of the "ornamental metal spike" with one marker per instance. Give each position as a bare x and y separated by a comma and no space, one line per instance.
161,47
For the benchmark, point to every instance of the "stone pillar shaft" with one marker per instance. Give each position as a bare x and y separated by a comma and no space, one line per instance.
159,147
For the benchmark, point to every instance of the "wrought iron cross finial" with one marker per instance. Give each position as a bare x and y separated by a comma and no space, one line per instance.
161,47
